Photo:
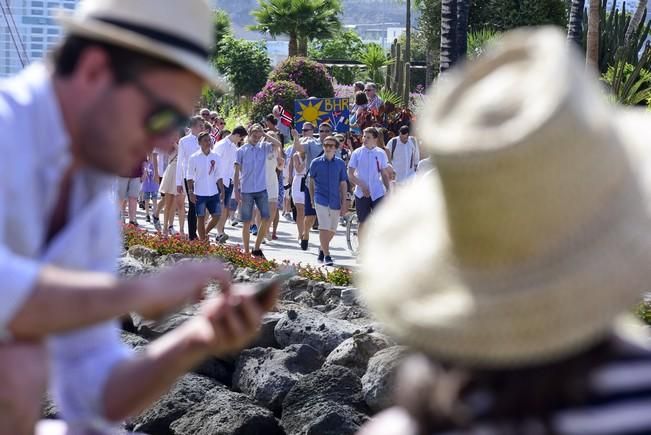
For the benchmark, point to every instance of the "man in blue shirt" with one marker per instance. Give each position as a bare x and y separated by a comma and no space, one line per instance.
327,186
251,182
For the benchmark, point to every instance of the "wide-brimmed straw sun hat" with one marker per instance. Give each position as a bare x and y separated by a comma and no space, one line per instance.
534,233
181,32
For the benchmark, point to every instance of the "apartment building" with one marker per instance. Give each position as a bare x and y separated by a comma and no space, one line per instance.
28,29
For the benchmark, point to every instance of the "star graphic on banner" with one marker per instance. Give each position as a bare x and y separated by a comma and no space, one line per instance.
310,113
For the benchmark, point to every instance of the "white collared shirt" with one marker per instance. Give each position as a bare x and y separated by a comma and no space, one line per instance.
188,145
368,165
227,152
31,169
204,171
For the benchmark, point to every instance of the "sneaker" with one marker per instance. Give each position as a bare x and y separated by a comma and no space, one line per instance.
221,238
157,224
304,244
343,221
141,204
258,253
328,261
234,222
148,219
254,229
320,257
274,237
171,231
135,224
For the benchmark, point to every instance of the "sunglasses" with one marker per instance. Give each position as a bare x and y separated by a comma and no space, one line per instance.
163,117
329,145
308,129
325,131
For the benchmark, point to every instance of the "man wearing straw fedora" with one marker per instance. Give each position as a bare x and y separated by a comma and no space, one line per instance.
121,83
528,247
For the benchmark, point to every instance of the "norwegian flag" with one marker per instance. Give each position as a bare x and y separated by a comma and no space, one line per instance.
285,117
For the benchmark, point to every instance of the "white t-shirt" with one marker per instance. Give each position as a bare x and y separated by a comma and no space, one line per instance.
405,157
368,165
204,171
188,145
227,152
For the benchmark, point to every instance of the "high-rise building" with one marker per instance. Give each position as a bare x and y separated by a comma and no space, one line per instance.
28,29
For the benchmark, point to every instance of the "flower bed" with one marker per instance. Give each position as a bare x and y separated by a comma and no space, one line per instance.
231,254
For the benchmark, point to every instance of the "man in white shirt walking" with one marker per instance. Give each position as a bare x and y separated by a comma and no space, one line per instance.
188,145
226,150
205,185
367,170
115,90
404,154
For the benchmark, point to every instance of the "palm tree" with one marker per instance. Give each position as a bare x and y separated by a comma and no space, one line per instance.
463,10
575,26
408,32
374,59
448,34
636,20
301,20
318,20
592,43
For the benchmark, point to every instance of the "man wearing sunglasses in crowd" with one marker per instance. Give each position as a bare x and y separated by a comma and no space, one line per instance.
114,90
374,101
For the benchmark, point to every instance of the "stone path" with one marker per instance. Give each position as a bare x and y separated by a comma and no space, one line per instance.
286,247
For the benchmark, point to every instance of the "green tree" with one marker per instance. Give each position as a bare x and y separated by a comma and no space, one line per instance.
222,25
244,63
501,15
301,20
343,45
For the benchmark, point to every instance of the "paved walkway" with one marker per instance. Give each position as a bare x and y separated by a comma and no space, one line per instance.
286,247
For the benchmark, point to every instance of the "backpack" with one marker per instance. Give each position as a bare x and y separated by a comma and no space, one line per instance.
393,143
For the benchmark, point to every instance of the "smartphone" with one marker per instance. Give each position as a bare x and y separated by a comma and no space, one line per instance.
262,289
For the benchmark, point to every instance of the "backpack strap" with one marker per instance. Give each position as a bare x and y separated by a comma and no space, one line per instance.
394,144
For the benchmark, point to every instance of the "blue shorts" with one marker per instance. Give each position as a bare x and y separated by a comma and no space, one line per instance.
150,196
309,210
211,203
261,200
228,193
364,207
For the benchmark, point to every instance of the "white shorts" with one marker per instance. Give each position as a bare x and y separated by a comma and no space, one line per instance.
128,188
328,218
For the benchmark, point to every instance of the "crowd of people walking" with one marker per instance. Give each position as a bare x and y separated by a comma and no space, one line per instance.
254,176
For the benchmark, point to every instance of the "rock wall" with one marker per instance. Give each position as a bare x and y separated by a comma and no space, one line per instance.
319,366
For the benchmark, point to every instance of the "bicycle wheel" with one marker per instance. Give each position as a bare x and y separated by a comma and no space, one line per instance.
351,234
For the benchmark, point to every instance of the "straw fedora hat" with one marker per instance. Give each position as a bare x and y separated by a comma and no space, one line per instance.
177,31
534,233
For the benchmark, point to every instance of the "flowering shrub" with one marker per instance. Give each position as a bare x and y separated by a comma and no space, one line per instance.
310,75
345,91
228,253
276,92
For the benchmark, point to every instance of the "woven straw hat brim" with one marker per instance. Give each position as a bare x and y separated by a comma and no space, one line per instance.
544,311
102,31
